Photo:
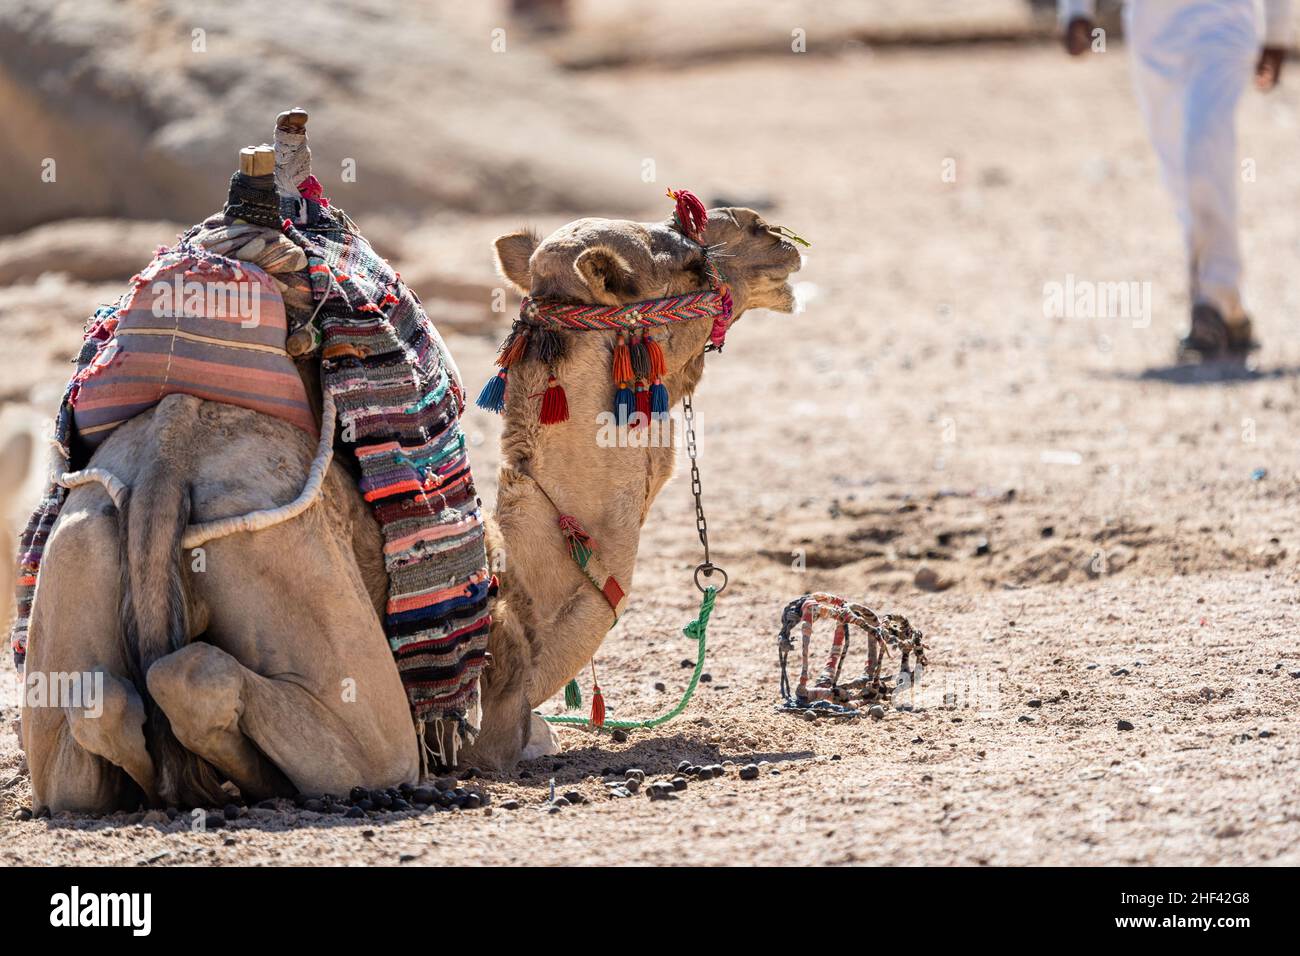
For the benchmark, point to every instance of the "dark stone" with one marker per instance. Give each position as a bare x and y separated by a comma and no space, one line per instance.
315,806
400,804
1123,725
23,814
749,771
356,812
1034,702
620,736
679,783
231,811
575,797
471,801
687,664
706,678
469,773
423,795
509,804
660,686
366,805
681,767
358,794
214,821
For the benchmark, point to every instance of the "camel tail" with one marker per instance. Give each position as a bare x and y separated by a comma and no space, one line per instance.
154,616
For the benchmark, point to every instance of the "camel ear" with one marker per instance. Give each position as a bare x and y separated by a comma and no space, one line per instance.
513,253
607,274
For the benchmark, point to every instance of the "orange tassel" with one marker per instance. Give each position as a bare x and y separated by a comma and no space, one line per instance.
657,368
515,351
622,361
597,707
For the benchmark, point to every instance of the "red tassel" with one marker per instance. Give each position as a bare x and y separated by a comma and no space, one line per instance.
622,361
691,214
657,368
555,404
597,707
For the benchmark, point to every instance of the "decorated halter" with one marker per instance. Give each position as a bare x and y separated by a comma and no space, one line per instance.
826,694
638,365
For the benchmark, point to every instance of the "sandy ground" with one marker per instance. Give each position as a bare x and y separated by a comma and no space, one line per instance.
1115,534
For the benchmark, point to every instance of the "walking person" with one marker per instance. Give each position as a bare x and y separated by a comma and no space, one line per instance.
1191,61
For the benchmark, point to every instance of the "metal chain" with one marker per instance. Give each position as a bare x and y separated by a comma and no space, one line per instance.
708,568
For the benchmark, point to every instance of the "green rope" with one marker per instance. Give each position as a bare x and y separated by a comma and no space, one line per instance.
698,631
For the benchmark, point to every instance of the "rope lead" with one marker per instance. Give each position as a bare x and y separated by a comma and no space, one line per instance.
697,630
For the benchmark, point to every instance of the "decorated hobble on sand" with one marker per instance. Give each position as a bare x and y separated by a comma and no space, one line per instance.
826,694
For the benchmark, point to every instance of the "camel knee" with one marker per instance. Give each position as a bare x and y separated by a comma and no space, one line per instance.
198,688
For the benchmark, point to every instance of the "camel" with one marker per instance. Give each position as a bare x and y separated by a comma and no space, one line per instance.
262,660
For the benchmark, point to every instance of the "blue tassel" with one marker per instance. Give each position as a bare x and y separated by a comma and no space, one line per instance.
493,396
658,398
624,404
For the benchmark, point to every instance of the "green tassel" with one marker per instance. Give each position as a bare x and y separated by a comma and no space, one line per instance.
572,695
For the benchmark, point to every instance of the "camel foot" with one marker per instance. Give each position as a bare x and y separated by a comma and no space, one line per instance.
543,740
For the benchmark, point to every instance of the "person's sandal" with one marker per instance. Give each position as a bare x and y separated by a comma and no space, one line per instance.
1211,337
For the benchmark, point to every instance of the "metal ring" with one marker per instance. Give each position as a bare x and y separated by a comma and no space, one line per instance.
708,570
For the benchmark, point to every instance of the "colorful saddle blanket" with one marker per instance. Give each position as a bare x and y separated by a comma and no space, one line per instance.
196,324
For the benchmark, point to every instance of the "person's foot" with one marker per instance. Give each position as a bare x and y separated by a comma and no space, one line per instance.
1214,337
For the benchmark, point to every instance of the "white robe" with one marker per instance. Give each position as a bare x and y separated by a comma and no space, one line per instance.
1191,61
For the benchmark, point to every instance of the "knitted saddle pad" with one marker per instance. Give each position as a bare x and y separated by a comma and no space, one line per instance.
399,401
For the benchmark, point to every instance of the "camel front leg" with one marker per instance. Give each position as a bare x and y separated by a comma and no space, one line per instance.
270,736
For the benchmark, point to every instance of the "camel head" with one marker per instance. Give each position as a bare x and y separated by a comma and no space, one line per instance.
615,261
550,622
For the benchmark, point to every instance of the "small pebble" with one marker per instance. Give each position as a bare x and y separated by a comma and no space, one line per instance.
619,791
575,797
620,736
314,806
214,821
683,766
358,794
749,772
1119,672
679,783
1265,733
1123,725
509,804
1034,702
660,686
706,678
23,813
636,773
687,664
661,790
877,712
631,784
1025,719
231,811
